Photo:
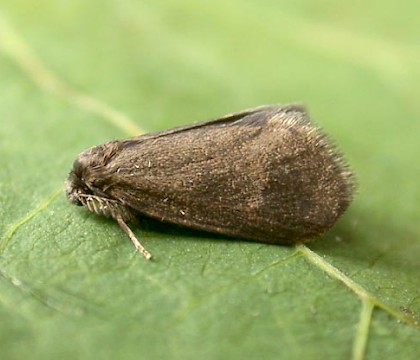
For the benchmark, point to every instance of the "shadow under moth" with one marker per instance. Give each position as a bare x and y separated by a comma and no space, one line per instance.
266,174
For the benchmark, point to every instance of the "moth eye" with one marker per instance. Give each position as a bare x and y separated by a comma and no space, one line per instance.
97,185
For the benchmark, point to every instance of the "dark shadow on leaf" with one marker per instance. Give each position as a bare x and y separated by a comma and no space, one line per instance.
149,224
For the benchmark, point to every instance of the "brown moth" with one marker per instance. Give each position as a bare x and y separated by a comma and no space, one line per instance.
265,174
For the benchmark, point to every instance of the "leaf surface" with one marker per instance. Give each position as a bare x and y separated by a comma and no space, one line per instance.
76,74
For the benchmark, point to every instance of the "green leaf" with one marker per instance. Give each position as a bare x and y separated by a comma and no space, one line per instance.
75,74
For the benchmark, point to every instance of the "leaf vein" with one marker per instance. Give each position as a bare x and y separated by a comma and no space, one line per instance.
14,227
359,346
361,292
21,53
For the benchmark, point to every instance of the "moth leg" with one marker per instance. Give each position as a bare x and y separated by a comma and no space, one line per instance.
139,247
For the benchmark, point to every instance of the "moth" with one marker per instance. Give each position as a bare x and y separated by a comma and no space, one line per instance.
266,174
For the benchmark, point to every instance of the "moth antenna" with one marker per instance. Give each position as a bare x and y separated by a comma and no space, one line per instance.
139,247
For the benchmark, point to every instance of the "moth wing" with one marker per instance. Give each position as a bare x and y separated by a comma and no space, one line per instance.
249,174
226,119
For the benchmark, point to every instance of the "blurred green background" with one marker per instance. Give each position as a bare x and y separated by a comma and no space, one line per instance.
78,73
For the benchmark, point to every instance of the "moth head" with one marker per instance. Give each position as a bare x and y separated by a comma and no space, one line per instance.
89,170
75,185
